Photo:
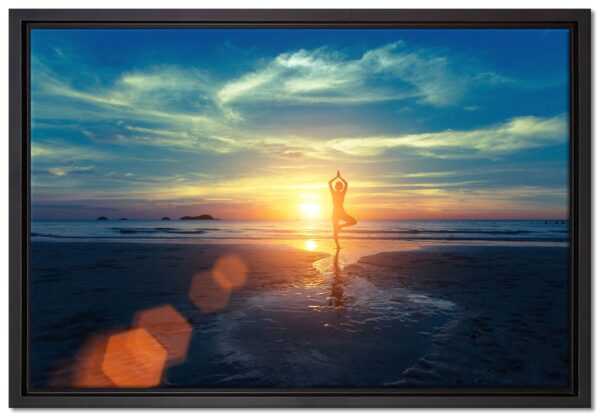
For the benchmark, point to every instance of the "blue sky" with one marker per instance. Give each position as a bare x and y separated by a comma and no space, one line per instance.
251,123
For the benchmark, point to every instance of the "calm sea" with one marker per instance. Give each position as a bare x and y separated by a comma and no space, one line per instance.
549,231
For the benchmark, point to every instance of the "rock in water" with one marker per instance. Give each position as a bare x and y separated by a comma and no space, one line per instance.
201,217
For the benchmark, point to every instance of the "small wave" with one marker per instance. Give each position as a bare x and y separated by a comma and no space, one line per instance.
198,236
448,231
156,230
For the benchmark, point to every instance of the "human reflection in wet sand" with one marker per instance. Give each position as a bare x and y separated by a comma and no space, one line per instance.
337,286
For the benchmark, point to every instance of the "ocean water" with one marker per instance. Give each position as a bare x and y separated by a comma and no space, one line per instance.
197,231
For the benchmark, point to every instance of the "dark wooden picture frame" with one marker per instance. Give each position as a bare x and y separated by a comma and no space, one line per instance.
578,21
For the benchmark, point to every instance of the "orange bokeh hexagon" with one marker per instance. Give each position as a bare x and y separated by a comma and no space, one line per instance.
207,294
134,359
230,271
169,328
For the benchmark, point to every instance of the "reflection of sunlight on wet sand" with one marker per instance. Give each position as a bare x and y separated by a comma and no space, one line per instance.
310,245
169,328
312,281
134,359
351,252
338,302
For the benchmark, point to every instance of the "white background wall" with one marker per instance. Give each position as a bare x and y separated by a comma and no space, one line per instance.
235,4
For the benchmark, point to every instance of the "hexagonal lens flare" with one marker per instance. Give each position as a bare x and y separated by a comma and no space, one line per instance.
208,295
169,328
230,271
210,290
134,359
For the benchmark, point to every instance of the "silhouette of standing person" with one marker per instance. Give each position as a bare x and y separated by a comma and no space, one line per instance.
338,193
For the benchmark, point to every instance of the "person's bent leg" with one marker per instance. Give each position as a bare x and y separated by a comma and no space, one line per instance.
348,221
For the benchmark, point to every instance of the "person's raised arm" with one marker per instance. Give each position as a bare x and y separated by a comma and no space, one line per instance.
344,181
331,182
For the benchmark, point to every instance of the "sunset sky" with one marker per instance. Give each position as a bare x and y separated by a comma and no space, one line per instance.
252,123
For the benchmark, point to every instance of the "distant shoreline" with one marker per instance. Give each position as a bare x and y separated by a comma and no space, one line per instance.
164,218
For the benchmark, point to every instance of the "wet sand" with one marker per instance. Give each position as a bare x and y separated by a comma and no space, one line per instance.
512,329
456,316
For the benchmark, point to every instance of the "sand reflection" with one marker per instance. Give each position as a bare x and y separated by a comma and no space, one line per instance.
310,245
337,285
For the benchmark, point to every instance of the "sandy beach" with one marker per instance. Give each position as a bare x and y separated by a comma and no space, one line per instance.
453,316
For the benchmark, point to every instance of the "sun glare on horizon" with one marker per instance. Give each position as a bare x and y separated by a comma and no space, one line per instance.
310,210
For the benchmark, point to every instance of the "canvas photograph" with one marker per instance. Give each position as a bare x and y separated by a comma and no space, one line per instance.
226,208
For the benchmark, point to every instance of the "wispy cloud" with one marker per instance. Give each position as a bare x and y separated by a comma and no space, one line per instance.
151,95
519,133
52,150
430,174
183,138
326,76
514,135
184,108
67,170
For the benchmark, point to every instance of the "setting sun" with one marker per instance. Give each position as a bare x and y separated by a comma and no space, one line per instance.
310,210
310,245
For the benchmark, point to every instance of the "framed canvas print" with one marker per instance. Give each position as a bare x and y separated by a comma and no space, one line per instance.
300,208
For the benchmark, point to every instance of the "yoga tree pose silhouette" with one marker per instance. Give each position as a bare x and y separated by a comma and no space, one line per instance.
338,193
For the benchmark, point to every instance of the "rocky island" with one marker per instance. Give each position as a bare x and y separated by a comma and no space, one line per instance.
200,217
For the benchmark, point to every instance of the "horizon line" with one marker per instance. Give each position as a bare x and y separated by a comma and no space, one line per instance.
123,218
